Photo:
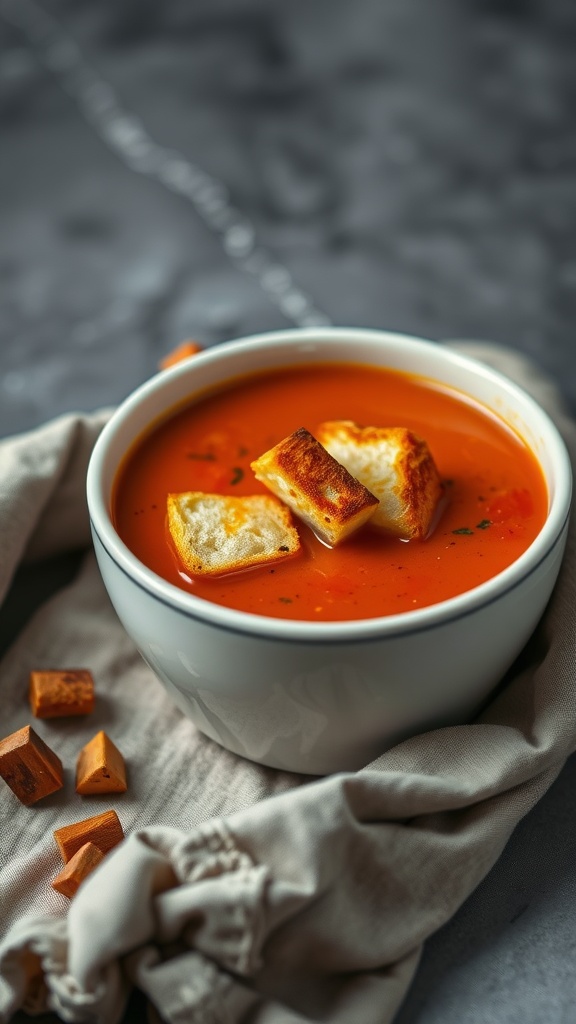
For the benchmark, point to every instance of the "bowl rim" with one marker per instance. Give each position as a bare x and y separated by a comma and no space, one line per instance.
303,630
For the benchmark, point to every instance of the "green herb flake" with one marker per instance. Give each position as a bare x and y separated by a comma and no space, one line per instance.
201,456
465,530
237,475
285,600
483,524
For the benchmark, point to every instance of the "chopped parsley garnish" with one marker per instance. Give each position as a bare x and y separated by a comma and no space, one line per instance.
201,456
483,524
237,475
464,530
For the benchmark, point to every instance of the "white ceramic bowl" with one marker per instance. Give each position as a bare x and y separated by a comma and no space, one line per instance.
323,697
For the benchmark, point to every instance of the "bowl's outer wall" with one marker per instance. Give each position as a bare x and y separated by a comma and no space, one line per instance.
292,695
317,707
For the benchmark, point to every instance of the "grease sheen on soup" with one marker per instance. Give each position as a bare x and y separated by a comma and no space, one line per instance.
495,504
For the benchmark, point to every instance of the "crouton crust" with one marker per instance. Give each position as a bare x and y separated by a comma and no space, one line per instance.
215,534
315,486
396,465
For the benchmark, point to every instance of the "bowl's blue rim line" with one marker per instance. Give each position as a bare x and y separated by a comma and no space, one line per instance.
344,641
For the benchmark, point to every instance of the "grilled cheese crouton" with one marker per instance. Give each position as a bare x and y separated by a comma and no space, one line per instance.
215,534
396,465
315,486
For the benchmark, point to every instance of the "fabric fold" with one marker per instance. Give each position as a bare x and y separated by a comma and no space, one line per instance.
43,508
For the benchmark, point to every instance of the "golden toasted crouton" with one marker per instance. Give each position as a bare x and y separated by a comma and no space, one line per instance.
316,487
215,534
396,465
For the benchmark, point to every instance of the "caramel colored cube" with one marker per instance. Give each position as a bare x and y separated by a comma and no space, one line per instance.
104,830
29,766
182,351
100,767
57,693
77,869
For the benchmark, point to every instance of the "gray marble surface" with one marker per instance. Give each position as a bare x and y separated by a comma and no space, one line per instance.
408,164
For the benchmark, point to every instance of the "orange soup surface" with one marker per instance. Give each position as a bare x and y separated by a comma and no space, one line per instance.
494,506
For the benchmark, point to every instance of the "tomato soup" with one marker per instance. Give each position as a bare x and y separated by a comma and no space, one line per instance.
494,506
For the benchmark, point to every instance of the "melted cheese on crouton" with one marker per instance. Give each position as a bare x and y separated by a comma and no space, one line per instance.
215,534
396,465
315,486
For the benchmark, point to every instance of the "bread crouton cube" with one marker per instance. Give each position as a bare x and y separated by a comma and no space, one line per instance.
215,534
29,766
80,865
103,830
316,487
100,767
58,693
396,465
185,350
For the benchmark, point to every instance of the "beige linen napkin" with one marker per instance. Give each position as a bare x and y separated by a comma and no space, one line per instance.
242,893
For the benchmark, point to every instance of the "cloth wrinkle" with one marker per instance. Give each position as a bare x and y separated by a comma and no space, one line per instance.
189,988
